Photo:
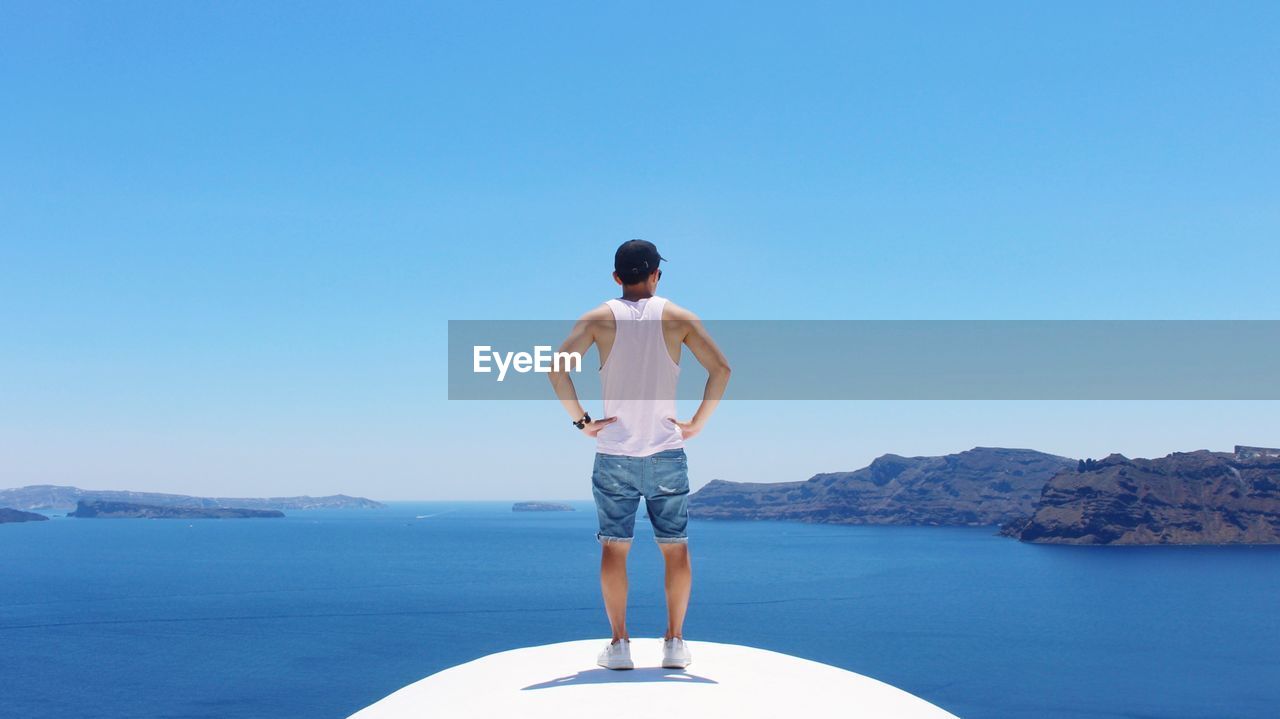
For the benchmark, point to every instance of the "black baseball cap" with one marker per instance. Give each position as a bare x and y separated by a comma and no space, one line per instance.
636,259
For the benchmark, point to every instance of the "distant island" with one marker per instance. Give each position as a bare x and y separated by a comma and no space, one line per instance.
1197,497
48,496
9,516
541,507
983,486
103,509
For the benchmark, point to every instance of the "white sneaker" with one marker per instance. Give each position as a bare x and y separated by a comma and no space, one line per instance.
675,654
617,655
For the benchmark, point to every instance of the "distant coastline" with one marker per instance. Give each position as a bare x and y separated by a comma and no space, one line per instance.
100,509
541,507
13,516
56,497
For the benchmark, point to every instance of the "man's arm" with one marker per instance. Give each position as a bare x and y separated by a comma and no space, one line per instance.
712,360
580,340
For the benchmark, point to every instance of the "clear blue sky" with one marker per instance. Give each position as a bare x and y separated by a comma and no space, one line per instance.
231,234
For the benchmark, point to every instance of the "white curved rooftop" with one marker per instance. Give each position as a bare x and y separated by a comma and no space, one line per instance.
563,681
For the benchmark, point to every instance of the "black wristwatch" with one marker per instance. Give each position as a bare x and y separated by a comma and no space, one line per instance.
586,418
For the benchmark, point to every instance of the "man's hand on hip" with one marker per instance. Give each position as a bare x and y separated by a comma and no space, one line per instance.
688,430
593,427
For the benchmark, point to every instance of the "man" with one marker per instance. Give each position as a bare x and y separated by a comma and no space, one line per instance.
639,442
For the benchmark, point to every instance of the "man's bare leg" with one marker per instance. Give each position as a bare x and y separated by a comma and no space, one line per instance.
679,583
613,585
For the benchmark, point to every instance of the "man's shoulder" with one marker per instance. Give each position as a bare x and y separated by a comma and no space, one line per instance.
676,313
598,316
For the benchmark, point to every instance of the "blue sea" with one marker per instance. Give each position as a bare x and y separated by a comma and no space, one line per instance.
324,612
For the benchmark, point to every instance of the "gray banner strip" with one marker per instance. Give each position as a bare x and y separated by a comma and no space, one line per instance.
923,359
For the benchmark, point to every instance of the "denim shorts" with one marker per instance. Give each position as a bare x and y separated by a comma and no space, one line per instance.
618,483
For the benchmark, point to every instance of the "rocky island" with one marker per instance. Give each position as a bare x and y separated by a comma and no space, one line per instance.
49,496
9,516
101,509
540,507
1197,497
983,486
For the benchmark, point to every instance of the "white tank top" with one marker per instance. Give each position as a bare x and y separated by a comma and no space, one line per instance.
638,381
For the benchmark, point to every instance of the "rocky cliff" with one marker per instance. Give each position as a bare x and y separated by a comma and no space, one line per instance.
1185,498
983,486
